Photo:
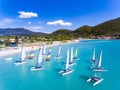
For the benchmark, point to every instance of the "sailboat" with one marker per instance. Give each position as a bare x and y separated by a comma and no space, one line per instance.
22,58
48,56
98,67
44,50
39,62
93,56
67,70
76,55
59,51
31,54
71,63
95,79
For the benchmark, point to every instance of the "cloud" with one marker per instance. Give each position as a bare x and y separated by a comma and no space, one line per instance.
24,14
5,21
59,22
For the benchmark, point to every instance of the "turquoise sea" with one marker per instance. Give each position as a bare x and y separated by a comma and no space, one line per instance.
20,77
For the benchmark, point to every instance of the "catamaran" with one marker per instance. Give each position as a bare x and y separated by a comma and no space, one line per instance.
22,58
93,56
98,67
95,79
58,54
39,62
67,70
76,55
44,50
71,63
48,56
31,54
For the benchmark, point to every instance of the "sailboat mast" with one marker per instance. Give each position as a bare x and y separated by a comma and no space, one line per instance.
67,60
40,57
59,50
71,58
100,60
93,57
22,54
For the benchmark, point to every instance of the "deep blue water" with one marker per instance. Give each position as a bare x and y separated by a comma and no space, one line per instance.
20,77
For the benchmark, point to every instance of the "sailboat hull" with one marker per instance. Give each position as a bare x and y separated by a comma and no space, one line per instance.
96,81
99,70
30,57
36,68
93,61
57,57
19,63
75,58
64,72
99,81
71,64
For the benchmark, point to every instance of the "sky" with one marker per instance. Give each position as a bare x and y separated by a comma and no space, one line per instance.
50,15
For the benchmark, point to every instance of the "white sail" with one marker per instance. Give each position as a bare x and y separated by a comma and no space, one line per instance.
71,58
93,57
67,60
100,60
23,55
44,50
40,57
59,50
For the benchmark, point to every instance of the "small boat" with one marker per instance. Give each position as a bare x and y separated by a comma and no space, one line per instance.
39,62
9,59
22,58
76,55
98,67
93,57
31,54
48,56
67,70
95,79
71,63
59,51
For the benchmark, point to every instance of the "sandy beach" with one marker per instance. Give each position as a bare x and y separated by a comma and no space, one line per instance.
11,51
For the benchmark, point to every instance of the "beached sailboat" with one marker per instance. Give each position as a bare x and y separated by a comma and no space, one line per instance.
59,51
67,70
98,67
95,79
48,56
44,50
31,54
76,55
71,63
39,62
22,58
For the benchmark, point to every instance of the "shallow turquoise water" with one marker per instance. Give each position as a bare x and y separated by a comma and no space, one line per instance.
20,77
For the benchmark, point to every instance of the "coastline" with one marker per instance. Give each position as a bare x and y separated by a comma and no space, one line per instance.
11,51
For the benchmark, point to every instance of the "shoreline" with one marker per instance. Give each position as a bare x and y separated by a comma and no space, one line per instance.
11,51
